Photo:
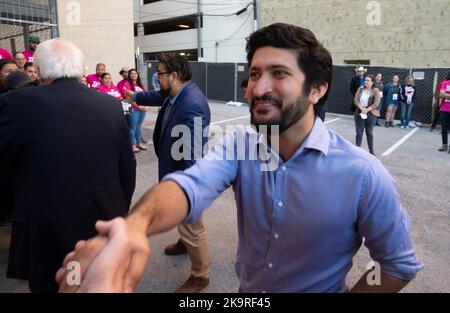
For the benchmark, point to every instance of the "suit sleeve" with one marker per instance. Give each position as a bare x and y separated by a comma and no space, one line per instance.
127,164
10,140
149,98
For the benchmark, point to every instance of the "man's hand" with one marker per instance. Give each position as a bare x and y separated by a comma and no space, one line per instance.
109,264
129,95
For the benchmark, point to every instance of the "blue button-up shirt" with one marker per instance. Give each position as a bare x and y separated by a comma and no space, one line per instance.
300,224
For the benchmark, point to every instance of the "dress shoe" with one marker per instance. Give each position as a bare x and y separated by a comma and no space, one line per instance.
193,285
176,249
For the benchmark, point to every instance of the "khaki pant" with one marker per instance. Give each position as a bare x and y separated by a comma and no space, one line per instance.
194,237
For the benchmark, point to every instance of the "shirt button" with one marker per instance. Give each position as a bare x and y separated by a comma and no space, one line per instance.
276,236
280,204
284,169
270,265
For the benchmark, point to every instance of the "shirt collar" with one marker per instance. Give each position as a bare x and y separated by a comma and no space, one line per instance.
174,99
318,139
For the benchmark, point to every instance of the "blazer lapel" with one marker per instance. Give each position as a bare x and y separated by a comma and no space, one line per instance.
178,103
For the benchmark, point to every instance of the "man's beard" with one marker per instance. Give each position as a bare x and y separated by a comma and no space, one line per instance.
288,116
165,92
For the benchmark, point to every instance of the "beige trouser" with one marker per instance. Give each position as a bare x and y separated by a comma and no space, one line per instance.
194,237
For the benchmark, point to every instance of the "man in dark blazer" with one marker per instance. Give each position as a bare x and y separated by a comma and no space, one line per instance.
184,108
70,152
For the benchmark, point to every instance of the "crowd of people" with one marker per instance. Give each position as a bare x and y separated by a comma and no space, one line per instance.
62,176
371,96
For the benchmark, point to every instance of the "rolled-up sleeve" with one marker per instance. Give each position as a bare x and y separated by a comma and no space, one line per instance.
207,179
385,224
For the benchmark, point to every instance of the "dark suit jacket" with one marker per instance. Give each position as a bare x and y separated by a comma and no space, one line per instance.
70,152
190,103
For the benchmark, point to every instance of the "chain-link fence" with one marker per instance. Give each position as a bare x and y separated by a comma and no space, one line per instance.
340,98
222,81
21,18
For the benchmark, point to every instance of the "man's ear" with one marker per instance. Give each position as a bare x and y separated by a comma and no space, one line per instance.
175,76
317,93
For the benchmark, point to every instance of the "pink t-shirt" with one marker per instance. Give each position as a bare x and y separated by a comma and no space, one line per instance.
445,105
120,86
29,55
112,91
93,81
137,88
4,54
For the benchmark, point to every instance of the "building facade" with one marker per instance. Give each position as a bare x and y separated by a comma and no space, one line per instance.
102,29
383,32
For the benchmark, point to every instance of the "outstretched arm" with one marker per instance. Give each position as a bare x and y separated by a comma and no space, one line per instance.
115,260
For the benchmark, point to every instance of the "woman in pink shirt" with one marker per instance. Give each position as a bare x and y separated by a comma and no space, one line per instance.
108,87
136,119
445,113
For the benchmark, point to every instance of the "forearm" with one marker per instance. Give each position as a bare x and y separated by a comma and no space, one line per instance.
444,95
160,209
388,284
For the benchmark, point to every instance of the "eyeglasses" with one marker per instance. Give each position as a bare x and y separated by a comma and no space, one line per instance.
162,73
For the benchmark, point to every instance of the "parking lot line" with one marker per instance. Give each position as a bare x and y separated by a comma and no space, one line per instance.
333,120
231,119
400,142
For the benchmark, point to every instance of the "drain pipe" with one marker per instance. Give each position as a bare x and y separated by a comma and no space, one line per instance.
199,31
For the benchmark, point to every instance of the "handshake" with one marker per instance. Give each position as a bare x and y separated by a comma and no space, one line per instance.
112,262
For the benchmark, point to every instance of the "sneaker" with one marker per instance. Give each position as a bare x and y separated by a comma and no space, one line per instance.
443,148
386,124
391,123
403,126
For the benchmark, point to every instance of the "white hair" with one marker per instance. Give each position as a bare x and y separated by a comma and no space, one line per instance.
58,58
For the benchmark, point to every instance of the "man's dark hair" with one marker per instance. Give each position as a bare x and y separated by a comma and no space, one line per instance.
175,62
5,62
27,65
313,59
138,82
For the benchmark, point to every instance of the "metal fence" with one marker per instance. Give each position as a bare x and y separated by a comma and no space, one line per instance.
21,18
222,81
340,97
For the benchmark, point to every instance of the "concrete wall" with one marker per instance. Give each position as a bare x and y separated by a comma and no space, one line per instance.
410,32
229,32
104,32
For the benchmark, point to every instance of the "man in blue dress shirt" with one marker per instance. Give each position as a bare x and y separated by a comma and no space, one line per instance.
300,222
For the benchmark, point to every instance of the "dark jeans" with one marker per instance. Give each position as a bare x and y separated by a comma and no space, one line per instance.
367,124
445,121
405,113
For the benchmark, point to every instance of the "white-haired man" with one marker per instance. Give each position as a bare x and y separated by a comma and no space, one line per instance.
66,176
